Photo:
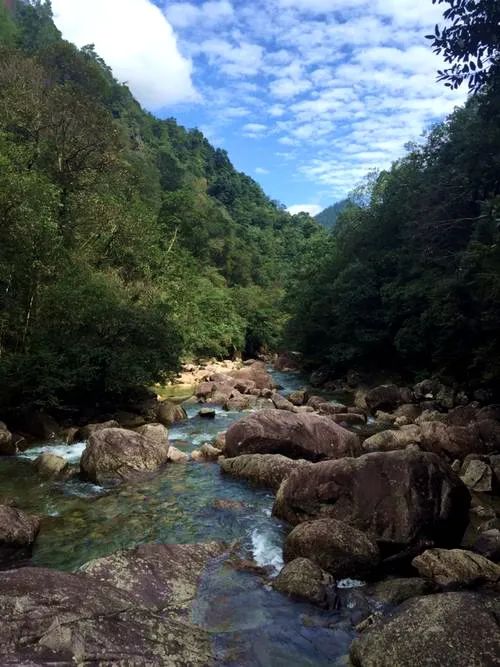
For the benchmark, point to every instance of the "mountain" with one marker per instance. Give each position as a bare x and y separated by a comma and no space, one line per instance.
329,216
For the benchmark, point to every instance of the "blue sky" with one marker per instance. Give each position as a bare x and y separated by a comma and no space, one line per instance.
307,96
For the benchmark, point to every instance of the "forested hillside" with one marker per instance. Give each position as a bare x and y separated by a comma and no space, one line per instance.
328,218
410,278
126,242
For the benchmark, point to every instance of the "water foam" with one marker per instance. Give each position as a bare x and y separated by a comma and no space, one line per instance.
72,453
265,552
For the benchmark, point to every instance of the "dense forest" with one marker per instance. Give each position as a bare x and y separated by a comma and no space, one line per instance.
410,278
329,216
127,243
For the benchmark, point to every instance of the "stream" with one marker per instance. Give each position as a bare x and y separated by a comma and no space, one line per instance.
250,622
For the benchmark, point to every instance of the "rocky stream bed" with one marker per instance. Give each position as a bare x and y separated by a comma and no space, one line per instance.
310,525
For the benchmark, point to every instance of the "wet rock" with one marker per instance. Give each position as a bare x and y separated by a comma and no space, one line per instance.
115,455
169,413
228,505
262,469
387,397
155,432
478,476
456,568
281,403
331,409
459,629
220,441
209,452
7,445
132,608
391,440
402,498
488,544
85,432
308,436
299,397
237,404
18,532
335,546
398,590
245,386
207,413
176,456
304,580
51,465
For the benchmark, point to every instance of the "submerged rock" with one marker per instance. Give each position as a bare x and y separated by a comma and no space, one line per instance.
334,546
263,469
132,608
305,580
456,567
304,435
402,498
459,629
18,532
115,455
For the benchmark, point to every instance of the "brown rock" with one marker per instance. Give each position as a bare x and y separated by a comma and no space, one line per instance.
488,544
169,413
18,532
308,436
387,441
299,397
51,465
115,455
459,441
478,476
257,373
304,580
401,498
155,432
398,590
85,432
176,456
331,408
335,546
263,469
209,452
456,567
459,629
387,397
281,403
349,419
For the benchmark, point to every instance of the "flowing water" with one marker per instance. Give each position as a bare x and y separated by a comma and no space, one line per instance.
251,622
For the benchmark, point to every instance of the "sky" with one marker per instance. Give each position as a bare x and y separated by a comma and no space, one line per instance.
307,96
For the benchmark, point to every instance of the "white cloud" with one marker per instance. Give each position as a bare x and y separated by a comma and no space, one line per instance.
312,209
185,14
136,40
254,130
261,171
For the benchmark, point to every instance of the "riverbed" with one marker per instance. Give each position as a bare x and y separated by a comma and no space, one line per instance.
250,623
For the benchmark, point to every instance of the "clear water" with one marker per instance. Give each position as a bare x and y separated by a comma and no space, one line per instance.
256,625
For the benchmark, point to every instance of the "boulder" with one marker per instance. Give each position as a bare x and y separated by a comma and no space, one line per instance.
209,452
245,386
387,441
132,608
299,397
85,432
426,389
456,442
7,445
262,469
456,568
398,590
18,532
204,390
237,403
115,455
51,465
331,408
349,419
169,413
478,476
256,372
430,416
387,397
409,410
130,420
281,403
304,435
288,361
155,432
488,544
402,498
176,456
304,580
335,546
459,629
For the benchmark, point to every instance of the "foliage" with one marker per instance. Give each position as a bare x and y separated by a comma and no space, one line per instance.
470,43
329,216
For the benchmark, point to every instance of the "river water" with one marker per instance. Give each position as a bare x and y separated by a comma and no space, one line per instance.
250,622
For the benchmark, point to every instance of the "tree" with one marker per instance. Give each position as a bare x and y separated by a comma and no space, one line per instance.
471,43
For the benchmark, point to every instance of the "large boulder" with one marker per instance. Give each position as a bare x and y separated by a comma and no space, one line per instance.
387,397
132,608
457,442
304,580
303,435
18,532
155,432
85,432
456,568
263,469
459,629
335,546
402,498
256,372
114,455
169,413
